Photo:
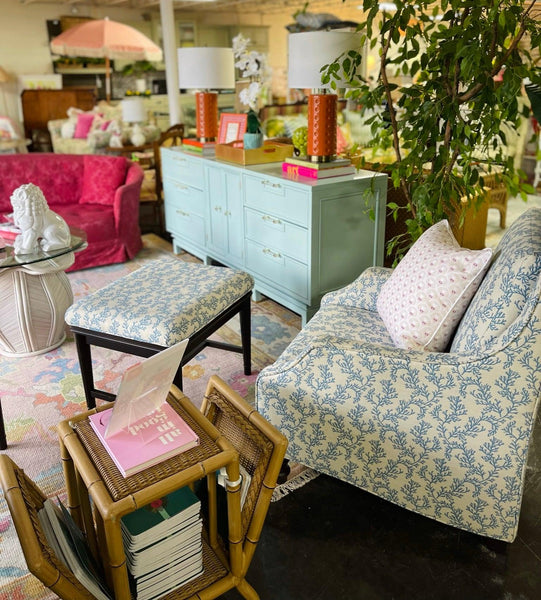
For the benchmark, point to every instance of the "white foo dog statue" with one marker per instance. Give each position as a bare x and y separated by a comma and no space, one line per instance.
40,227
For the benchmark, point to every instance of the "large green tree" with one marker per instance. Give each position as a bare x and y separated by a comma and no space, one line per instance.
456,106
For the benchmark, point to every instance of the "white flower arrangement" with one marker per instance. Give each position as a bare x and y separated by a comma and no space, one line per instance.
253,65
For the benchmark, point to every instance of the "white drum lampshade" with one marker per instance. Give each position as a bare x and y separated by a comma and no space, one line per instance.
309,52
133,110
206,69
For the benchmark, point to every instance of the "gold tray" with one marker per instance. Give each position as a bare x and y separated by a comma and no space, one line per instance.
269,152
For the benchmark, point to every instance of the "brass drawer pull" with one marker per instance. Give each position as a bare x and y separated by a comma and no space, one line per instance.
271,253
181,187
270,184
182,213
271,220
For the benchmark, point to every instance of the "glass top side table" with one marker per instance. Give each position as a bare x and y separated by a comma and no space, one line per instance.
36,293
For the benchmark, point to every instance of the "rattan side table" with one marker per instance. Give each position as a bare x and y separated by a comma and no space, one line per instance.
90,473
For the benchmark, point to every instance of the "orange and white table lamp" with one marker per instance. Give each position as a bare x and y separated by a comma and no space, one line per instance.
207,70
309,52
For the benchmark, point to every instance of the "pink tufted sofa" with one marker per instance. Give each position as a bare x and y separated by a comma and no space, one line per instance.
98,194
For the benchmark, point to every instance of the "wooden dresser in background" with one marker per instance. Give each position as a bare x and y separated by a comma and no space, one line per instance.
41,106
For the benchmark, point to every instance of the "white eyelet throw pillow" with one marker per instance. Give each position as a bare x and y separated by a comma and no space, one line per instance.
424,299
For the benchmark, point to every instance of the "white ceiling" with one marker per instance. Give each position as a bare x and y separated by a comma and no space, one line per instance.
261,6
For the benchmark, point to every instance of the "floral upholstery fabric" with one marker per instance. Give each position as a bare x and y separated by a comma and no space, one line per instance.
489,321
162,303
59,178
444,434
103,175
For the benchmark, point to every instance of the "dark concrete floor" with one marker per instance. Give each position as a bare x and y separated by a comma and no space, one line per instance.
330,541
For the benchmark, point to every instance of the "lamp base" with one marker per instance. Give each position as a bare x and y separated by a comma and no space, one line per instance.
322,119
206,105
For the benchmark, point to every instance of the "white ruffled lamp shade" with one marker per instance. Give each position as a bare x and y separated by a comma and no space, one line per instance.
206,69
309,52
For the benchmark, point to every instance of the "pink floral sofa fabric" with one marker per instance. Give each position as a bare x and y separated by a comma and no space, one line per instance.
111,222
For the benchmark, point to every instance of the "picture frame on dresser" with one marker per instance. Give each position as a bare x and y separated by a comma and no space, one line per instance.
232,127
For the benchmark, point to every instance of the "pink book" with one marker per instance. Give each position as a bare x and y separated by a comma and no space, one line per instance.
296,171
9,231
157,436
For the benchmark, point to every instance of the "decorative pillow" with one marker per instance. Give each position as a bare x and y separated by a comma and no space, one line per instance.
98,139
424,299
84,123
102,176
68,129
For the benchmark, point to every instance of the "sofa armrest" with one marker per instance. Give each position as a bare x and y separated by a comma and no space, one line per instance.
55,127
126,202
361,293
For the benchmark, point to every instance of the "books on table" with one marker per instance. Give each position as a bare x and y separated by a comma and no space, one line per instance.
197,147
337,162
142,429
295,168
163,544
146,442
70,547
9,231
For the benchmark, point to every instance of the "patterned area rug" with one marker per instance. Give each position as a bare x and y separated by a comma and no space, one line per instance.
38,392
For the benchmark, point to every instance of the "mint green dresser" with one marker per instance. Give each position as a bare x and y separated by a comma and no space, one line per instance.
299,239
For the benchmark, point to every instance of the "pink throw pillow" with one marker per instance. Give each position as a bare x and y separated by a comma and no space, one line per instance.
424,299
84,123
102,176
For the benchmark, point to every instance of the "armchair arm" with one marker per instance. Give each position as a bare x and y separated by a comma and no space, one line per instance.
126,208
361,293
55,127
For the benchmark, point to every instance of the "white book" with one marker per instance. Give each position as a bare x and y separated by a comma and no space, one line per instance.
145,563
171,579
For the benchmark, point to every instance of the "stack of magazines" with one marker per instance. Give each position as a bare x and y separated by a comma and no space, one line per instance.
163,545
70,547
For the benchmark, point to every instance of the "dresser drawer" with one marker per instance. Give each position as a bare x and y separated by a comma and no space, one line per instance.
184,196
282,271
269,194
182,168
184,223
276,233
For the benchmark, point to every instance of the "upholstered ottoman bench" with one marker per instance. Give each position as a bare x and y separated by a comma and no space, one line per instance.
157,306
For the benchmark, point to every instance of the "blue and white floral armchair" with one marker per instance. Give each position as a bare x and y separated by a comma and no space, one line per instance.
444,434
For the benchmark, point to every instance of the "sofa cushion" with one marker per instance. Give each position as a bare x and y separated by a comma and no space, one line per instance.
83,125
102,176
494,311
424,299
59,177
96,220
